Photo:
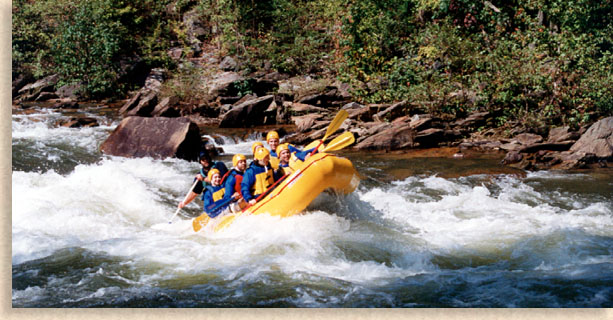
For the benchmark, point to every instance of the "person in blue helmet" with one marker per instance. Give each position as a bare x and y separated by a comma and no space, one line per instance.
258,177
216,201
207,164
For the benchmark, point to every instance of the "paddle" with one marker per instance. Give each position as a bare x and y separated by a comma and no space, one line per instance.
187,195
196,223
334,125
340,142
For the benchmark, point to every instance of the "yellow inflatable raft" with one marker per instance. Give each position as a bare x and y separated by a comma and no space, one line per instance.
291,196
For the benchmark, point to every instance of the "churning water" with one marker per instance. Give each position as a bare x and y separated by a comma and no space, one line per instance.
92,231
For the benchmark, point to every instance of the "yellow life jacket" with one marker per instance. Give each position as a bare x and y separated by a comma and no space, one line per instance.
263,180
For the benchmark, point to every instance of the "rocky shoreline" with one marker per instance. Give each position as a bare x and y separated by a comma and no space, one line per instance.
161,125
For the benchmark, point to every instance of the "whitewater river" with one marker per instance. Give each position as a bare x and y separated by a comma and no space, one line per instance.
89,230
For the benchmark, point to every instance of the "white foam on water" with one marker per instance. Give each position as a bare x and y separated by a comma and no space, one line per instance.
470,216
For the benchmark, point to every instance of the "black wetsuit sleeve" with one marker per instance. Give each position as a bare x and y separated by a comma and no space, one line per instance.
198,188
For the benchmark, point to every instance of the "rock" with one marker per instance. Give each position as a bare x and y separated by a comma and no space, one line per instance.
228,64
562,134
474,120
512,157
246,114
44,96
263,87
145,106
302,108
305,123
393,138
19,82
528,138
78,122
66,104
391,112
597,140
420,122
363,113
220,85
175,53
429,137
70,91
560,146
154,137
31,91
165,108
351,106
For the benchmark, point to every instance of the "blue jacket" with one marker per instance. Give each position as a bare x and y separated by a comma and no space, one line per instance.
230,185
256,180
292,149
214,198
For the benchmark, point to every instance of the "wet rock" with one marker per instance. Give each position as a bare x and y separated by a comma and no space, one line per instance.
157,137
597,140
247,114
65,104
79,122
512,157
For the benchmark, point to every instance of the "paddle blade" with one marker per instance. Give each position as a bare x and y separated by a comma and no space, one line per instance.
340,142
311,145
200,222
336,123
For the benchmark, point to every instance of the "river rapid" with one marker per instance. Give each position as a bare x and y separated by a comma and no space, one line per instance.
90,230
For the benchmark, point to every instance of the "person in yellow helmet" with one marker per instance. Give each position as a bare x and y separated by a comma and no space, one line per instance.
215,199
258,177
207,164
272,138
232,180
284,157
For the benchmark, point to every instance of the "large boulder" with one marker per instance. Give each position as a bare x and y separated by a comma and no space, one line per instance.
597,140
154,137
247,114
397,136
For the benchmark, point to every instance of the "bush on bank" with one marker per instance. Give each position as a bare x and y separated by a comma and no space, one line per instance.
533,63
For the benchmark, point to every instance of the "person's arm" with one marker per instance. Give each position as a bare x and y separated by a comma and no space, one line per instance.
188,199
248,180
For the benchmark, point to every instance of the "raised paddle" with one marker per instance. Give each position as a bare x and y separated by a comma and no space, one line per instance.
334,125
340,142
187,195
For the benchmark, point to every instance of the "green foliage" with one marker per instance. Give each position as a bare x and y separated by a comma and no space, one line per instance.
84,41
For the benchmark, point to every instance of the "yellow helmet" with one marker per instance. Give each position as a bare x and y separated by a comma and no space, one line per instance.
237,157
272,135
255,145
211,173
281,147
261,153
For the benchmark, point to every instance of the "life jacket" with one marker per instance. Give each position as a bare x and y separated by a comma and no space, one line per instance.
238,178
256,180
286,168
212,197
